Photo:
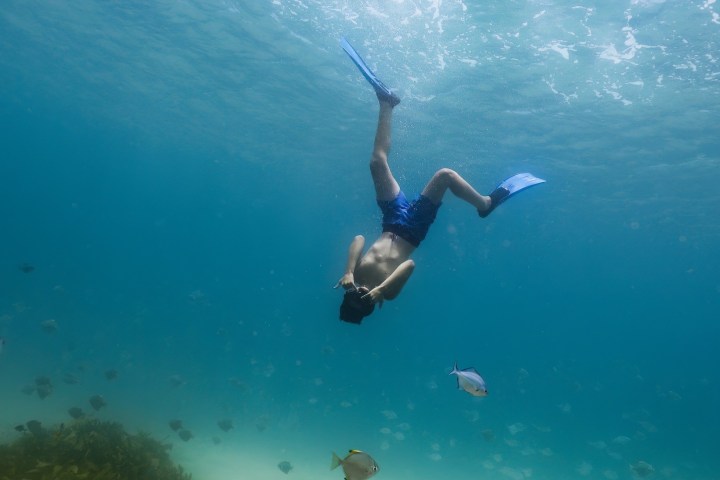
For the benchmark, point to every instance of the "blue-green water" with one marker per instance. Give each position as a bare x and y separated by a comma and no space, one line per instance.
185,178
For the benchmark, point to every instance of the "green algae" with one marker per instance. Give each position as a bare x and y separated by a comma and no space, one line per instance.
87,449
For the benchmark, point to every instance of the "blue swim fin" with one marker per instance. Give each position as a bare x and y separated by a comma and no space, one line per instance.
508,188
382,91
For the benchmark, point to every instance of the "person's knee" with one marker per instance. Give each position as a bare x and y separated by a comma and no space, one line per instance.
378,162
445,175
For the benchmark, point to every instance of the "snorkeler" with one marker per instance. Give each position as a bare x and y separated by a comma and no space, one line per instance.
383,270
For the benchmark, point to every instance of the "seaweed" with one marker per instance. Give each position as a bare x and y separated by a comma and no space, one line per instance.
87,449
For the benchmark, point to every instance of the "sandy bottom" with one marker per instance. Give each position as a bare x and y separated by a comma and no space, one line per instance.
246,453
222,462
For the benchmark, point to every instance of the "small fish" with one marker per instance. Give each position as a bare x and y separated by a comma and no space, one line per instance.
97,402
488,435
236,382
75,412
642,469
357,465
44,390
26,268
111,374
225,425
185,435
175,424
285,466
2,344
35,427
49,326
71,378
196,295
470,380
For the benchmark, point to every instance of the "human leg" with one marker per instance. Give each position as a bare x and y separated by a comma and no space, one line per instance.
386,187
445,179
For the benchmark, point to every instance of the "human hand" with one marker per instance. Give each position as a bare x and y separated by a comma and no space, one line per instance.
347,281
375,295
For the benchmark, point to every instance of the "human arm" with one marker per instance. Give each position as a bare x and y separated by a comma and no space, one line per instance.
392,285
356,248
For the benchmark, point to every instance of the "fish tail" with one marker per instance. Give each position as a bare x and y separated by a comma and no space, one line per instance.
454,370
336,461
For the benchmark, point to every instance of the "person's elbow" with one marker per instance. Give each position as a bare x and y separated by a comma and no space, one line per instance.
410,265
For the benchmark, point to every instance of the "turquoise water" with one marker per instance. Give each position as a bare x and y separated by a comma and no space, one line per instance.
185,178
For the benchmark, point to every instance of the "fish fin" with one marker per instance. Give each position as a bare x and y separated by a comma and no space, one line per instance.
470,369
336,461
352,452
454,370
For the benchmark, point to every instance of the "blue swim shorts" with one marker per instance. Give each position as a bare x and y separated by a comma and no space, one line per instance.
408,220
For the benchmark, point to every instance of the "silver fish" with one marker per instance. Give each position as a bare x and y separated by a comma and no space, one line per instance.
470,380
357,465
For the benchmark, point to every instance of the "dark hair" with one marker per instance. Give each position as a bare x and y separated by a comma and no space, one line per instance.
354,308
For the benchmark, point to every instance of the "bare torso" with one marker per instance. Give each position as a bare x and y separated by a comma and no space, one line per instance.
381,259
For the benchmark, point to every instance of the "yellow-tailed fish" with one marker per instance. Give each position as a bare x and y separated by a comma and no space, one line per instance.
357,465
